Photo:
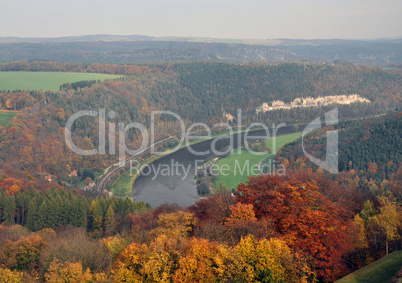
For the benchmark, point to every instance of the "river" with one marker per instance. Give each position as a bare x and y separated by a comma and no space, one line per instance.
170,179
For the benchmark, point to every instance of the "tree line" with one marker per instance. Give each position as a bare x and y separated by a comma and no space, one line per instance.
37,210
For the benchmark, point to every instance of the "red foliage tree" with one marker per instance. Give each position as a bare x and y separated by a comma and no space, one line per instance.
307,220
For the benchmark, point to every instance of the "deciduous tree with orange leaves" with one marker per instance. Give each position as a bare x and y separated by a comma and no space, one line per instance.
303,216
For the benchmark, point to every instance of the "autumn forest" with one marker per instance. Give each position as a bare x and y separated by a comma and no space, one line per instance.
309,225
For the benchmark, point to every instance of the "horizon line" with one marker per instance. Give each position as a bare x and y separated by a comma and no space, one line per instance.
172,37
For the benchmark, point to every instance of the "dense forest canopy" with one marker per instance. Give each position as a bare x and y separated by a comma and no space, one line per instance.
369,148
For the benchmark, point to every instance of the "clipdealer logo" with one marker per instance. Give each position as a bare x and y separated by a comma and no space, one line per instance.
148,142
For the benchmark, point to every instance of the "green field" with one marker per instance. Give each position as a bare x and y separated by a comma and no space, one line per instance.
382,270
6,116
122,186
44,80
236,162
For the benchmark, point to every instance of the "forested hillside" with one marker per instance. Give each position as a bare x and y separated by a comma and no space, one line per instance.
369,148
145,50
198,92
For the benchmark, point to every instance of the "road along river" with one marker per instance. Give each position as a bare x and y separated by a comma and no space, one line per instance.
170,179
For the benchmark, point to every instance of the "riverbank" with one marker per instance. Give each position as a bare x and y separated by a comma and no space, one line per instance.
242,161
124,184
165,189
161,182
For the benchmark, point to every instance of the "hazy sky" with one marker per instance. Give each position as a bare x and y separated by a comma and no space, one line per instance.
259,19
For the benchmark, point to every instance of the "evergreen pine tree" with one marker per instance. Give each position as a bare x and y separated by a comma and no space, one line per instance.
110,223
40,220
65,213
9,207
2,197
95,219
77,214
31,215
22,201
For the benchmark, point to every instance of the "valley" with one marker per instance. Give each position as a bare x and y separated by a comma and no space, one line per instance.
200,141
51,193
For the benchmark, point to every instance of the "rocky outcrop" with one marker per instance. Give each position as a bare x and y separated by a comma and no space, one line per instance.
312,102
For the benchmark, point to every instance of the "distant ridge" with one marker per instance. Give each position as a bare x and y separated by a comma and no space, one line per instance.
81,38
141,49
111,38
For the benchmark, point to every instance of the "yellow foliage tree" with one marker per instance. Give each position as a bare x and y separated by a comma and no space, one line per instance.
361,239
285,162
203,262
63,272
241,218
388,220
9,104
241,213
129,265
156,263
268,261
164,253
8,276
179,224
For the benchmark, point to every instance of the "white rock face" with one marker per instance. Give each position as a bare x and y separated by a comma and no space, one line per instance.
312,102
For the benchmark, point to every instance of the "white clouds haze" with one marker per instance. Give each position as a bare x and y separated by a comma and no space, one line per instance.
259,19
